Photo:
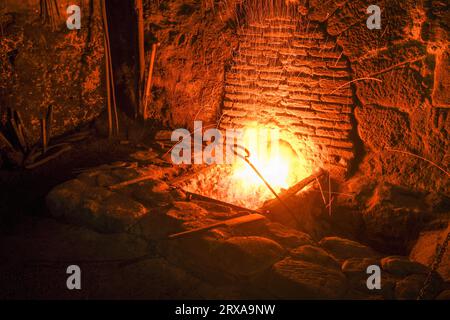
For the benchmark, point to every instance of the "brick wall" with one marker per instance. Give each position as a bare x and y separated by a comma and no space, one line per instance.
288,73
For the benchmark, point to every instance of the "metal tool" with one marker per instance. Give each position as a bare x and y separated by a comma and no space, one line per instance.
246,157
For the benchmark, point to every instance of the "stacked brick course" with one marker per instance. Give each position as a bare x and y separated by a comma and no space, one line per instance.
289,74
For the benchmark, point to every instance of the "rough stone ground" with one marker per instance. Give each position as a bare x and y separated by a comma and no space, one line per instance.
263,260
118,239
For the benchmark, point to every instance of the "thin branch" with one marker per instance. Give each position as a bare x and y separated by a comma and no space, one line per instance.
359,79
421,158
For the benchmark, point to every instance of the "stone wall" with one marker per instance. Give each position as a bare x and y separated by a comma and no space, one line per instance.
404,109
196,42
41,65
397,103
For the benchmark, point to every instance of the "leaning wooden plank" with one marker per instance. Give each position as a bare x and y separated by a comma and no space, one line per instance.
293,190
301,185
131,182
196,196
227,223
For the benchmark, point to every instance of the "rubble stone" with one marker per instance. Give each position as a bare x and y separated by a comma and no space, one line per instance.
409,288
246,256
286,236
345,249
402,266
96,207
297,279
315,255
424,249
357,267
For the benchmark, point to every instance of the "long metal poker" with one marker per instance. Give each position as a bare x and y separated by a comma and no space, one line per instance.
246,159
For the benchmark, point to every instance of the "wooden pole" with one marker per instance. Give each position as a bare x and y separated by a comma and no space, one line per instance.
44,134
110,75
108,92
149,80
49,120
140,15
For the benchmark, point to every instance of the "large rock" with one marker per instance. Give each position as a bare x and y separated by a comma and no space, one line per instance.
153,193
95,207
360,290
345,249
357,267
297,279
394,216
195,254
410,287
246,256
66,196
402,266
356,271
314,255
288,237
217,259
424,249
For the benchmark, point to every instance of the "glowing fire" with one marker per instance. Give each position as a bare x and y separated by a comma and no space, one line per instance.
239,184
276,162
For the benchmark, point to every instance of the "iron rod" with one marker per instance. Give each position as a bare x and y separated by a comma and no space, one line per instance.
246,159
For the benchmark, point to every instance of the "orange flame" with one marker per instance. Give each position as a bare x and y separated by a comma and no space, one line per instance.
280,166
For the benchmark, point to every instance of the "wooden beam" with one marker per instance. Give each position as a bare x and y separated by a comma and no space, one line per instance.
140,16
249,218
113,113
296,188
148,85
200,197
